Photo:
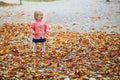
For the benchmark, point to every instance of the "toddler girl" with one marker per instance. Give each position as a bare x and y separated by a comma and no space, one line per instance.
38,29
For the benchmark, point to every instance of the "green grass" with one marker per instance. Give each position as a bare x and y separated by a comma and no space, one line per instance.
40,0
2,4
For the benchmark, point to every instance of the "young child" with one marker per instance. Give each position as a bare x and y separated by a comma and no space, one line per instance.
38,29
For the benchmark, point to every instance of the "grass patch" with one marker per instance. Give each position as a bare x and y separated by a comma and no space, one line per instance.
39,0
6,4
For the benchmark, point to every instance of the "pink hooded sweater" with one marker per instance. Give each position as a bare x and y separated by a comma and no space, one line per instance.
39,29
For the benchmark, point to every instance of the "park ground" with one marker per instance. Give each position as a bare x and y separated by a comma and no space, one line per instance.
83,43
81,16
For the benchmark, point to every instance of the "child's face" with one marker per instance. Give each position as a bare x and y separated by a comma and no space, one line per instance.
40,17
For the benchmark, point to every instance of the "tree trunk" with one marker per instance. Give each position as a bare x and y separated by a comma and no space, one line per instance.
20,2
107,0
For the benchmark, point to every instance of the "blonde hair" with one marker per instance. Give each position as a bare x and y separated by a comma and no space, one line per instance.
36,13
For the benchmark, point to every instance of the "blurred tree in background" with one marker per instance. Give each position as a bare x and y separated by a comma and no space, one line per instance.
20,2
107,0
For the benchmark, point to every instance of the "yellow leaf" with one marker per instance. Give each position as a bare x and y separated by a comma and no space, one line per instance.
7,51
33,55
107,58
55,73
7,75
116,48
54,65
81,78
2,52
1,59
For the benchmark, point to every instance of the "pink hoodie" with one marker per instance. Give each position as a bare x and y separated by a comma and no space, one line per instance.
40,28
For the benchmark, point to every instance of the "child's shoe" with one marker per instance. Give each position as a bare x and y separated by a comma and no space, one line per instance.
33,52
42,52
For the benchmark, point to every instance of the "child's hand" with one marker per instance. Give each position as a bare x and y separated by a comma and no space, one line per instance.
47,32
34,33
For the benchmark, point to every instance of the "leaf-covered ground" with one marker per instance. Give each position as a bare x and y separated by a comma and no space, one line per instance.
69,55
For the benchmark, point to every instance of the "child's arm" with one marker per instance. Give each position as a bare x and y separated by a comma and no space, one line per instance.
32,28
46,28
